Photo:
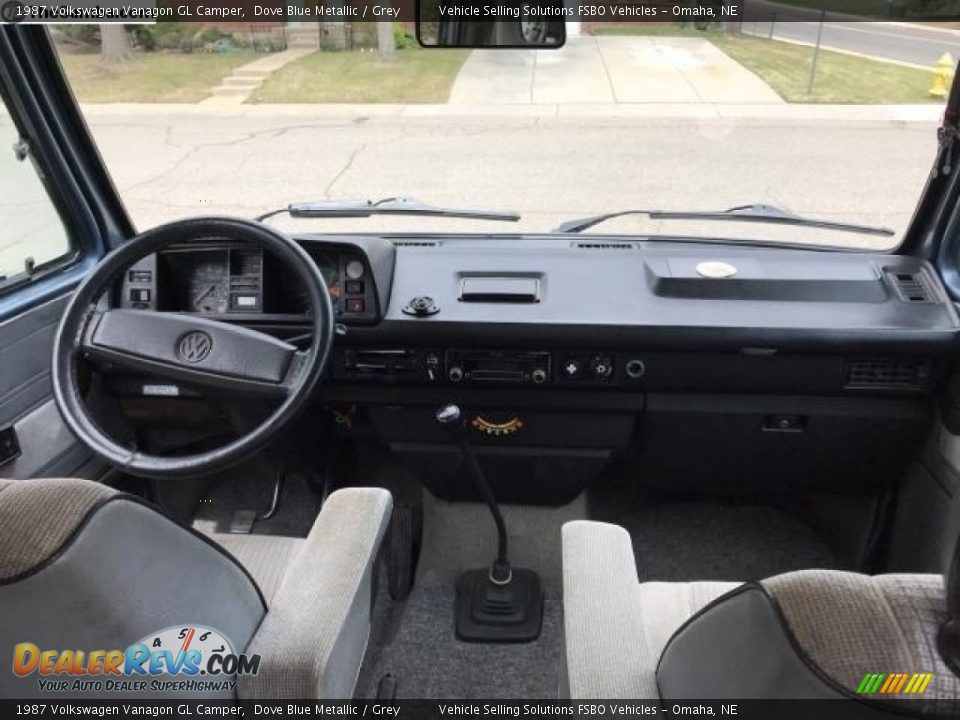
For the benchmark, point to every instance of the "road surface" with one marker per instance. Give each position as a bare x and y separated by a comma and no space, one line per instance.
549,169
914,44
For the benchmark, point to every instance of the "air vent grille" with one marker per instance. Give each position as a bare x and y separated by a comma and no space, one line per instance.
891,374
603,245
415,243
914,287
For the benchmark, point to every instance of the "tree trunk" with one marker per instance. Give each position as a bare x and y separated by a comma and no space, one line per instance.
386,45
113,43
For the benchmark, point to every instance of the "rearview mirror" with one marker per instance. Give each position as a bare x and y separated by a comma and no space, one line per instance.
484,24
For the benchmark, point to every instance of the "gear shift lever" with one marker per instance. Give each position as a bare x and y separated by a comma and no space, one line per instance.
500,604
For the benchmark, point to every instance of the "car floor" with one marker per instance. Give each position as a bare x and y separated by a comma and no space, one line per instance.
413,641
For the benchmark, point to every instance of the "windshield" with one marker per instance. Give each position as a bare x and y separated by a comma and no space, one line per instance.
821,116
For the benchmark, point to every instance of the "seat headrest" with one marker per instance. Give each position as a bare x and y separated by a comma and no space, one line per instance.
38,516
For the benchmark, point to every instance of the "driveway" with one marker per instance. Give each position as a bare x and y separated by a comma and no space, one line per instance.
609,70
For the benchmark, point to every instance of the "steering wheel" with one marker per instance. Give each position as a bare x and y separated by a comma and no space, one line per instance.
193,350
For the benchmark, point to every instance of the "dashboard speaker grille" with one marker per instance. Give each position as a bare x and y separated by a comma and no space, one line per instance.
914,287
415,243
892,374
604,245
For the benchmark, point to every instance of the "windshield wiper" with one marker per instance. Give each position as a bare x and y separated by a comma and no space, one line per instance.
387,206
743,213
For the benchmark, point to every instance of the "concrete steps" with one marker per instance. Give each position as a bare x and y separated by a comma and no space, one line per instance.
241,83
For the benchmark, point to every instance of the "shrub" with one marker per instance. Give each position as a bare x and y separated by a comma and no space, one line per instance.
402,37
89,34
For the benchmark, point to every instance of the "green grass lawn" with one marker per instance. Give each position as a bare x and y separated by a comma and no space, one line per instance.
785,67
172,77
840,78
416,76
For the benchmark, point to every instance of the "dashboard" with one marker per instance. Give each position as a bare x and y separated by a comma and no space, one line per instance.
580,313
813,368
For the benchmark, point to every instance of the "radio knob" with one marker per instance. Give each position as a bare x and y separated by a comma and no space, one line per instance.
635,368
539,376
455,374
602,366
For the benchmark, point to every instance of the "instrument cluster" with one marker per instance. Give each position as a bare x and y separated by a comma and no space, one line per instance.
220,278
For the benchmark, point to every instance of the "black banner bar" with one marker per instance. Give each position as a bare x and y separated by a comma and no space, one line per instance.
593,11
54,707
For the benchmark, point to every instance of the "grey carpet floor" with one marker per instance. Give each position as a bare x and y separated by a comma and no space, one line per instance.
713,541
299,505
415,643
427,661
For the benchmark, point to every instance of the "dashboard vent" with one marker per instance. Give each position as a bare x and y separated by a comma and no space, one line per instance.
415,243
914,287
890,374
603,245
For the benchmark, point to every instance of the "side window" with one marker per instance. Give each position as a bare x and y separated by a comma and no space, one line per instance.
33,237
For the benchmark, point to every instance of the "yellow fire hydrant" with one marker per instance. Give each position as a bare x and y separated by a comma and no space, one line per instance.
942,76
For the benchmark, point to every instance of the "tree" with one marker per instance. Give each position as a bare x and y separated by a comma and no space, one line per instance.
386,43
113,43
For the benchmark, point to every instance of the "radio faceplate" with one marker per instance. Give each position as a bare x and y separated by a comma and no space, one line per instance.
502,366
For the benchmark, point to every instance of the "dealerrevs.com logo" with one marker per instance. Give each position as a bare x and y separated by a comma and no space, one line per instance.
177,659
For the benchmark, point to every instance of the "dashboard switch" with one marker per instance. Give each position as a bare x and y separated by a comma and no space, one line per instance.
354,287
356,305
140,295
572,369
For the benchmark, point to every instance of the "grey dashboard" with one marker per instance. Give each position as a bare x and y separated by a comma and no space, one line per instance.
598,312
652,293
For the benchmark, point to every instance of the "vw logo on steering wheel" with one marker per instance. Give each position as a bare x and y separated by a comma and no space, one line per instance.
194,347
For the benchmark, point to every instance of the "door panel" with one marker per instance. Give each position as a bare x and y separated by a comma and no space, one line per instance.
927,521
47,447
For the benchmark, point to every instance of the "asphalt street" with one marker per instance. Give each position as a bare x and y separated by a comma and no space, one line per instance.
908,43
550,169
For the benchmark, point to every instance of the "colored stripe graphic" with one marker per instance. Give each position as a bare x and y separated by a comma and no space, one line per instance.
903,681
894,683
890,682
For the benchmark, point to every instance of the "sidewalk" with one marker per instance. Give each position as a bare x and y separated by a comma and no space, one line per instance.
609,70
925,113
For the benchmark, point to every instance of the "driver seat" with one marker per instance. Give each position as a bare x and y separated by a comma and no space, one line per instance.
810,634
84,567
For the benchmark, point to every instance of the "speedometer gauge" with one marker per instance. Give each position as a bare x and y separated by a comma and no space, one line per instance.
208,288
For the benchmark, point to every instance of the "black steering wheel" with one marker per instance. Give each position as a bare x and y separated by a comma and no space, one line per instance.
193,350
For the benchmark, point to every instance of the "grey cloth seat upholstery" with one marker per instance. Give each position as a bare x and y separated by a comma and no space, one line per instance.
265,557
806,634
616,628
85,567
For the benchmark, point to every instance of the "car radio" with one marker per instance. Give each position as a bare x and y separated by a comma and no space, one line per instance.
498,366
